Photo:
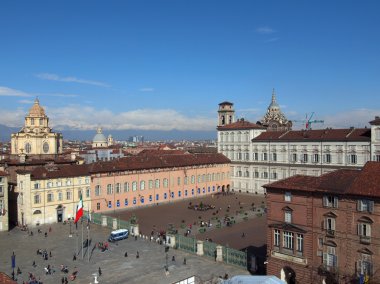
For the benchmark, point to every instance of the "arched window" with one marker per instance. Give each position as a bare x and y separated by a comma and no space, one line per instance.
118,188
165,183
28,148
109,189
97,190
134,186
45,147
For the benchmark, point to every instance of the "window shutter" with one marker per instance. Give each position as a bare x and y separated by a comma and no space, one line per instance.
368,230
324,158
335,260
335,202
360,229
324,258
333,224
325,201
359,205
326,224
370,206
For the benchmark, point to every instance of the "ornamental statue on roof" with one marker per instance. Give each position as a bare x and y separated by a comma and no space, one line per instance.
274,119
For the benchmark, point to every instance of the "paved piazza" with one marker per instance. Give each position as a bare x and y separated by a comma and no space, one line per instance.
149,267
116,268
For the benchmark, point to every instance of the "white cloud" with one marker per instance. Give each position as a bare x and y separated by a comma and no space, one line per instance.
265,30
357,118
54,77
146,89
273,39
87,117
28,102
8,92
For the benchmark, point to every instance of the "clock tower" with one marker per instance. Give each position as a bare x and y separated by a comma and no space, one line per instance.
36,137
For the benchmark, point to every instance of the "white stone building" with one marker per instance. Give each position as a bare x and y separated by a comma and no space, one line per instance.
259,156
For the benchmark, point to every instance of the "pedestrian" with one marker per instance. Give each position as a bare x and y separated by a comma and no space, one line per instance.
243,235
74,257
126,254
135,237
99,271
184,261
66,281
137,254
50,253
18,270
63,280
34,263
49,229
173,258
45,234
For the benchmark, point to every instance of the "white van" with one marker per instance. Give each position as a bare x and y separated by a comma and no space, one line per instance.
118,235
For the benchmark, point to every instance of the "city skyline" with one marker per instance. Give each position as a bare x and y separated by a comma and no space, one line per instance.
164,65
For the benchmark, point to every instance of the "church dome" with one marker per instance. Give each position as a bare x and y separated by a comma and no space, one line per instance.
99,137
36,109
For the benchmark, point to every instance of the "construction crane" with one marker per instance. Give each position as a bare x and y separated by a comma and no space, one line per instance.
308,122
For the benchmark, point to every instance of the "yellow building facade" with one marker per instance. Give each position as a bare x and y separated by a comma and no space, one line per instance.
48,196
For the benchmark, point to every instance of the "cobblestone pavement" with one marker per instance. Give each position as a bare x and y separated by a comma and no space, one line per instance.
116,268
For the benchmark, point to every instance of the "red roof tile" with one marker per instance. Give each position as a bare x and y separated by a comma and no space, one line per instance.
364,182
376,121
354,134
240,124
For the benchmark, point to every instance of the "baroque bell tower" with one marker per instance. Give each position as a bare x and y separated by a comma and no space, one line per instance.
226,113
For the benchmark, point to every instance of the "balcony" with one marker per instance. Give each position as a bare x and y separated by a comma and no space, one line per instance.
287,257
330,233
366,240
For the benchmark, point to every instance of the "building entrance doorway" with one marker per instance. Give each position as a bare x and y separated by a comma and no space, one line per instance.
59,213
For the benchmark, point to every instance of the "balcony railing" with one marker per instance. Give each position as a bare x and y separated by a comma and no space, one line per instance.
365,240
330,233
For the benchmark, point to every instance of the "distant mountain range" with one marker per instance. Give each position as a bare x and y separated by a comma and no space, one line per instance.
121,135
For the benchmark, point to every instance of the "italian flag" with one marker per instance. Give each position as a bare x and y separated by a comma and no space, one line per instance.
79,213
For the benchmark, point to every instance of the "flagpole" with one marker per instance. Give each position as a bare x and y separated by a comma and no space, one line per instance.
88,233
82,236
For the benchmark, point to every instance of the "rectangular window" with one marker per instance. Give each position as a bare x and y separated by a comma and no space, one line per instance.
256,156
352,159
330,226
288,216
315,158
59,196
36,185
365,205
37,199
364,229
294,157
178,181
329,257
330,201
68,195
305,158
98,206
328,158
274,157
265,156
288,196
88,192
50,197
299,243
276,241
150,184
288,240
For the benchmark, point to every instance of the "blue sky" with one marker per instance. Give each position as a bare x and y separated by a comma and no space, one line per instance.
166,64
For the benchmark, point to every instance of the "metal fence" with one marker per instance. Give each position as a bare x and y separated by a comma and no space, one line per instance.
209,249
97,218
186,243
235,257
